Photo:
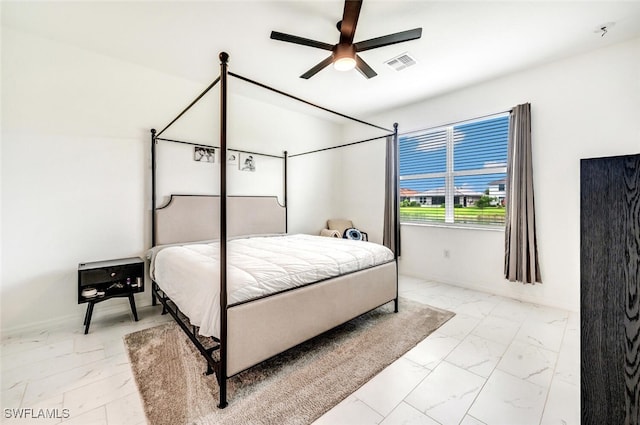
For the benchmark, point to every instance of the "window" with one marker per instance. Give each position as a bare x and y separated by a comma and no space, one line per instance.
455,174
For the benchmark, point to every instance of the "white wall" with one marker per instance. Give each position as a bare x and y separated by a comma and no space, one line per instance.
76,166
341,181
584,106
74,142
362,183
361,176
314,191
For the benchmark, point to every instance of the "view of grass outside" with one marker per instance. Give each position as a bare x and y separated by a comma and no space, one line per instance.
466,215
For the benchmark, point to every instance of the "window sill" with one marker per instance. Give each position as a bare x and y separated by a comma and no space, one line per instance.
457,226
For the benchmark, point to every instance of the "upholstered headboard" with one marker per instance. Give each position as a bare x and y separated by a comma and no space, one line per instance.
188,218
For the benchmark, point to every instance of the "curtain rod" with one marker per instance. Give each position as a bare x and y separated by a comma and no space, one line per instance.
190,105
306,101
342,146
213,146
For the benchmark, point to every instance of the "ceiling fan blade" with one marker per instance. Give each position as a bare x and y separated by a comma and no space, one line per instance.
313,71
364,68
349,20
387,40
275,35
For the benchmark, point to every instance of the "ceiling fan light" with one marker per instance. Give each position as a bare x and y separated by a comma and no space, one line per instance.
344,57
344,64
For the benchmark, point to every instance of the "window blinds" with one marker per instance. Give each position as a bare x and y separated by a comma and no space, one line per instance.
455,173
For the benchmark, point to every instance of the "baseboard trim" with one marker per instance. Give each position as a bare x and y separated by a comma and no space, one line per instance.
70,320
497,288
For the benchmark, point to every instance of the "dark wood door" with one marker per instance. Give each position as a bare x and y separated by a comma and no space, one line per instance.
610,290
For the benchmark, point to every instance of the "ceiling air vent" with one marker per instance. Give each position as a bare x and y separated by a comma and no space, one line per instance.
401,62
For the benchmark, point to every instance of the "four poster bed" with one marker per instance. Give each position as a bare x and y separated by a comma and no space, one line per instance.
226,269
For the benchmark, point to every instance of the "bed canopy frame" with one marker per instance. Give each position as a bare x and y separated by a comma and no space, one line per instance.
219,367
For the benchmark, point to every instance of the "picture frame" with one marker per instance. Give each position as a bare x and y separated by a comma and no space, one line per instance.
247,162
204,154
232,158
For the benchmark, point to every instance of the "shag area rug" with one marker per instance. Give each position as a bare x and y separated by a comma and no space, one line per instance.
295,387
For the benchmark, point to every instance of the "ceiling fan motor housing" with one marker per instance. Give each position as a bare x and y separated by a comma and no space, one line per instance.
341,51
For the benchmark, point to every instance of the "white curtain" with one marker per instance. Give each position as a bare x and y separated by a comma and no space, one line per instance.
521,252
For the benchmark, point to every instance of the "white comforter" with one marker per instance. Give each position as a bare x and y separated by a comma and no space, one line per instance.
256,266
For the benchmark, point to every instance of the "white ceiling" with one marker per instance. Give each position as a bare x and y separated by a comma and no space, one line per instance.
462,42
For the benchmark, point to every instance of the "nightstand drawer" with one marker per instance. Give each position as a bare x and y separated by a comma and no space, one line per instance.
112,278
110,274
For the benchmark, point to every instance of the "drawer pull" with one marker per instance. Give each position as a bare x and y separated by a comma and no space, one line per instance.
113,274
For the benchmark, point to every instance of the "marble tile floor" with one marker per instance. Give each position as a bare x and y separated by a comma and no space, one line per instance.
498,361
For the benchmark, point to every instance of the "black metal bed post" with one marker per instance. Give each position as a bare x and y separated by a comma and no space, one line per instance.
154,301
396,206
396,184
222,366
286,204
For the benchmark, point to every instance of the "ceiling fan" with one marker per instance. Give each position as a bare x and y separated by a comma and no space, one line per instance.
344,55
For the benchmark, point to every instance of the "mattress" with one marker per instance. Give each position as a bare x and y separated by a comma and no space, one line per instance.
256,267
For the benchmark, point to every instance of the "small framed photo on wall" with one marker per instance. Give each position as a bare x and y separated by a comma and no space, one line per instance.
247,162
204,154
232,158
